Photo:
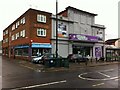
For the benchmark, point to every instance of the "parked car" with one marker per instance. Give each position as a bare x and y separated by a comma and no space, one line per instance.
77,58
38,59
50,57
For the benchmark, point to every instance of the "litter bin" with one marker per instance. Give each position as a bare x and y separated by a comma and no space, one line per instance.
65,62
57,62
62,62
46,63
50,63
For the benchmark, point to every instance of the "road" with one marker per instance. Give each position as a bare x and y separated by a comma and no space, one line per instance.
17,77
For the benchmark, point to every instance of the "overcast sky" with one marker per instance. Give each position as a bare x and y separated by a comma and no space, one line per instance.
107,11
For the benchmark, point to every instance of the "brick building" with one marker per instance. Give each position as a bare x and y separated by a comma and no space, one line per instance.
34,33
28,35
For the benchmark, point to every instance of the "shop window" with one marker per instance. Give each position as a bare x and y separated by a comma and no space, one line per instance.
18,52
25,52
34,52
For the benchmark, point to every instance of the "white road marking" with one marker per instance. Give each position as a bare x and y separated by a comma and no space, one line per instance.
108,70
40,85
98,84
104,74
28,67
116,79
93,79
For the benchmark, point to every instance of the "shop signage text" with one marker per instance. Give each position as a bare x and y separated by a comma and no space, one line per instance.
82,37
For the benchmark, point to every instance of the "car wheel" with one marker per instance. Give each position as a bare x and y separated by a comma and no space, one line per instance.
39,61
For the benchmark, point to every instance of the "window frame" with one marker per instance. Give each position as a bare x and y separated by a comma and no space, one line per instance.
13,37
41,32
41,18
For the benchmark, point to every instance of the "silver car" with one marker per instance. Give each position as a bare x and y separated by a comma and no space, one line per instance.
38,59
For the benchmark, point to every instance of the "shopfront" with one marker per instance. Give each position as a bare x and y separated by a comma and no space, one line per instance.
83,49
35,49
40,48
86,45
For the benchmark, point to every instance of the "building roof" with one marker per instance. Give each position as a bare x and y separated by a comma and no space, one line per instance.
98,26
69,7
110,41
24,14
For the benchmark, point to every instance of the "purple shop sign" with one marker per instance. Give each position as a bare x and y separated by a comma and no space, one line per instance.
82,37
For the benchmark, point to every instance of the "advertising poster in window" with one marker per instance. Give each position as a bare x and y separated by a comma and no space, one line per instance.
62,31
100,35
98,52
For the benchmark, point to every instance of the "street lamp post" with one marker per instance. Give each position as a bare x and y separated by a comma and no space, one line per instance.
30,49
56,28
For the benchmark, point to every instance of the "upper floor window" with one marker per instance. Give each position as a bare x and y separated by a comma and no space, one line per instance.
13,38
22,20
41,18
22,33
6,32
6,40
16,25
99,32
13,27
16,36
41,32
3,41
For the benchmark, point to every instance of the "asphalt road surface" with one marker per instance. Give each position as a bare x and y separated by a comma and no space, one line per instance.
17,77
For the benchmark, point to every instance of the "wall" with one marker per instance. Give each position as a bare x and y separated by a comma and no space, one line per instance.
82,22
63,48
97,32
63,26
34,25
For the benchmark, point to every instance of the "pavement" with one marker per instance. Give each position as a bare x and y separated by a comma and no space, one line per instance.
72,66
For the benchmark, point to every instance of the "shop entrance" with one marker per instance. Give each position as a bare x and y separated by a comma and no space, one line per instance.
82,50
